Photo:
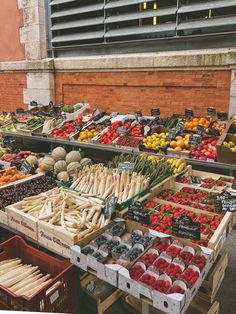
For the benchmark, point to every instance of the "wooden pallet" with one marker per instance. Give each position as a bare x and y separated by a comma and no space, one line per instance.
198,306
213,281
99,301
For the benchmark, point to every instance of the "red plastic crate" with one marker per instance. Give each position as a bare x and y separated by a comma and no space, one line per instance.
63,297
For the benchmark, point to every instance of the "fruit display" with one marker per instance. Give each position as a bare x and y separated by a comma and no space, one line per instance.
112,247
219,126
14,194
177,165
180,143
156,140
165,273
230,145
66,130
16,159
161,215
11,175
32,124
136,130
71,109
62,163
90,132
129,141
206,150
193,197
194,122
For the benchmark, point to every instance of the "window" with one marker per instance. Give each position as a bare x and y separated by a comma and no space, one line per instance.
77,24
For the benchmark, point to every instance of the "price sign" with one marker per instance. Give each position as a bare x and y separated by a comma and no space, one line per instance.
5,113
138,114
121,130
107,122
110,206
33,104
186,228
26,167
155,112
172,134
200,129
20,110
225,202
146,129
78,127
223,116
126,166
196,179
180,126
211,111
137,213
114,114
195,140
188,112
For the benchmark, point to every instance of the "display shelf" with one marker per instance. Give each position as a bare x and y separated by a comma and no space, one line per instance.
108,148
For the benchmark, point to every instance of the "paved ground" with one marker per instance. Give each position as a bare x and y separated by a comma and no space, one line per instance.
227,293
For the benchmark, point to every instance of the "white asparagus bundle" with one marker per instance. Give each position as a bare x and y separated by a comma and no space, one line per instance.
67,210
22,279
98,179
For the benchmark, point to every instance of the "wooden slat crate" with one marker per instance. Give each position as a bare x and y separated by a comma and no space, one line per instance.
213,281
98,301
198,306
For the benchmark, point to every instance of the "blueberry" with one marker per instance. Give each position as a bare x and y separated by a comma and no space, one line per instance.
134,253
117,229
87,250
111,245
98,256
101,240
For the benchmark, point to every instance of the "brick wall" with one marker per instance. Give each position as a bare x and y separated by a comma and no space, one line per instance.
11,91
128,91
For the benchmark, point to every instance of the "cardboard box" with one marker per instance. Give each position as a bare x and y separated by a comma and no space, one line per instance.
224,154
108,271
169,303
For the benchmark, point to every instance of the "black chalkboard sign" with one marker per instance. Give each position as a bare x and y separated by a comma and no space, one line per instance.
188,112
126,166
196,179
223,116
110,206
26,167
20,110
225,202
200,129
180,125
137,213
138,114
107,122
211,111
78,127
121,130
186,228
172,134
155,112
195,140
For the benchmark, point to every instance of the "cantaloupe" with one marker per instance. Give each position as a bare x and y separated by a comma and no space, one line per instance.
33,160
72,167
59,153
47,164
85,162
60,166
63,176
73,156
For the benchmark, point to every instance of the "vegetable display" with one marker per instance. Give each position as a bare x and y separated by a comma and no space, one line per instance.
22,279
79,214
100,180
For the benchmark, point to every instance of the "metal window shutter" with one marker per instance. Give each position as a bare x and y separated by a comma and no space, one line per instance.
206,5
125,19
193,20
76,22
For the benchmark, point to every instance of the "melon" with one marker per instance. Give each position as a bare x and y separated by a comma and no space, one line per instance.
39,170
63,176
85,162
72,167
59,153
33,160
60,166
73,156
47,164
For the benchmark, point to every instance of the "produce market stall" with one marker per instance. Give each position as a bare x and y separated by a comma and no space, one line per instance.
120,197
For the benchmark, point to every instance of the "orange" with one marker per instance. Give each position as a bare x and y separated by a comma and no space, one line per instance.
196,120
177,148
180,143
173,144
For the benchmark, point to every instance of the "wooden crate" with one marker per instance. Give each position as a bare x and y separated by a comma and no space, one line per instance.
3,217
198,306
213,281
99,302
220,234
22,222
